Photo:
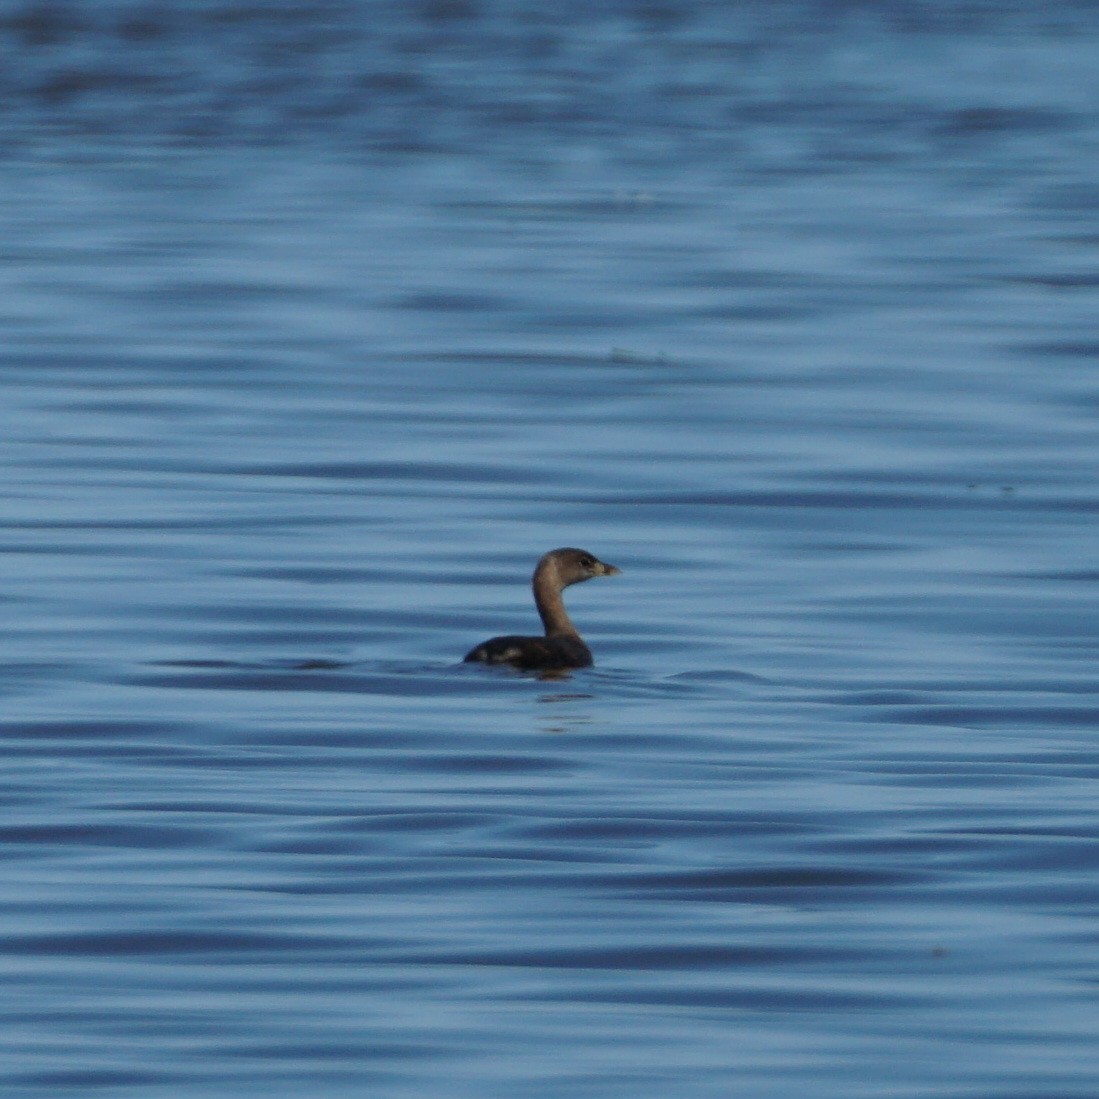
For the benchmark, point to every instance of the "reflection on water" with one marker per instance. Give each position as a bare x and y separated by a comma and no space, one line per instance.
321,325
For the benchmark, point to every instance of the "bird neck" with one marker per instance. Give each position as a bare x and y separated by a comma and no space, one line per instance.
551,607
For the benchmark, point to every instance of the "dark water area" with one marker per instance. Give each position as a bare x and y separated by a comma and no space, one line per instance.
322,322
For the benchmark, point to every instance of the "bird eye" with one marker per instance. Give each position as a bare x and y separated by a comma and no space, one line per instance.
586,562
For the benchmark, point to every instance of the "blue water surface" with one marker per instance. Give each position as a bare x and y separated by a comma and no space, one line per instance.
322,322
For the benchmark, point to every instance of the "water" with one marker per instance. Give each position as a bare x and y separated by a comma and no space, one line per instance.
321,325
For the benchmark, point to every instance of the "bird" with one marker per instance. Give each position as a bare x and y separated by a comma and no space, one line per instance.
562,646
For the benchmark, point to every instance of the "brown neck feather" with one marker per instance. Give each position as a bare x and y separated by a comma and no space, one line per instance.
547,598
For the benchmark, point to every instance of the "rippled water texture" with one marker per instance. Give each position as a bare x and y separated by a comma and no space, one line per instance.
322,322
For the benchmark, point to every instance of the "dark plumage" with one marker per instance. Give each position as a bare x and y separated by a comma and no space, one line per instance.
562,646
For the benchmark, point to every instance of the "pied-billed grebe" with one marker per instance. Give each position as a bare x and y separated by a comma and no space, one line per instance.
562,646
